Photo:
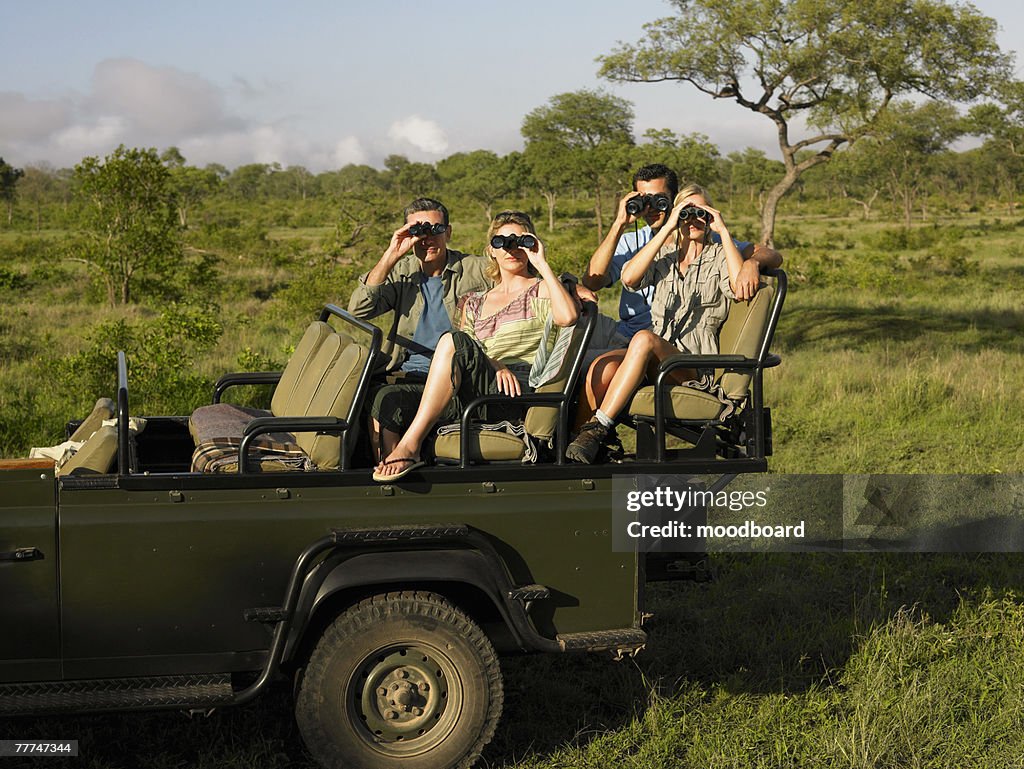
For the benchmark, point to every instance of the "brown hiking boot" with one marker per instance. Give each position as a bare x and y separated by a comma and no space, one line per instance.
588,442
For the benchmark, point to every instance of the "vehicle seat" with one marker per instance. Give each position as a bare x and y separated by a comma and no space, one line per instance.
321,379
741,334
96,456
104,409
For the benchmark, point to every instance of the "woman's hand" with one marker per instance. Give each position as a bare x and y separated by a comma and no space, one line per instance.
672,223
506,380
717,223
536,255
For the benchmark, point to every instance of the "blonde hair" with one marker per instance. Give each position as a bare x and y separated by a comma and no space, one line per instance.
491,272
692,189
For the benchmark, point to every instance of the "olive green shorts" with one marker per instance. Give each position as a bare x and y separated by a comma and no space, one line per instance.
395,405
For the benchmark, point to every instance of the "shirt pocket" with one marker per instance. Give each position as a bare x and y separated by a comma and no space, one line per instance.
708,289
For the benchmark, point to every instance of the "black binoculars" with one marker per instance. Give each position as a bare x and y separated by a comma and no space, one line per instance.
639,204
508,242
694,212
422,229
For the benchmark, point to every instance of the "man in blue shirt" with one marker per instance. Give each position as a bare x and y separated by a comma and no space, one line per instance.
618,247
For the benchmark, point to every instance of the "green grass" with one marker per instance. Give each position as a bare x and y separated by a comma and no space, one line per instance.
783,661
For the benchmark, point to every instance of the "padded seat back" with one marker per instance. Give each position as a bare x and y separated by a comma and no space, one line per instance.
542,421
313,372
298,363
743,333
335,397
96,457
104,409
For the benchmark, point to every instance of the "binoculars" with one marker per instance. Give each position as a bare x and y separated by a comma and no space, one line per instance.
694,212
508,242
422,229
639,204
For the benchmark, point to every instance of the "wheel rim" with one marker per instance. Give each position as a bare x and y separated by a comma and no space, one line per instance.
405,698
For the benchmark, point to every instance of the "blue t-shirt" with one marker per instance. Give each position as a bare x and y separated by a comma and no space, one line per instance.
433,322
635,306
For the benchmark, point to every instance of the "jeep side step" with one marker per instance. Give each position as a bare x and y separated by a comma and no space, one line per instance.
620,642
116,694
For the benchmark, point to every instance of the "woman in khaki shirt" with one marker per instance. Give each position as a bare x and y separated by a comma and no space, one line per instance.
693,285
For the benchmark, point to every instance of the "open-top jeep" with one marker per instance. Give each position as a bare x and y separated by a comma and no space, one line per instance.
188,563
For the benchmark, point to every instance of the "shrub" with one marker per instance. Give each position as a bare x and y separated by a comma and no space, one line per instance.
12,280
161,356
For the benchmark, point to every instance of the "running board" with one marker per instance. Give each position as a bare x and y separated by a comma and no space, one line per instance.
620,642
116,694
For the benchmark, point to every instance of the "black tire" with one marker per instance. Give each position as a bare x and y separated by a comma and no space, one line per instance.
440,678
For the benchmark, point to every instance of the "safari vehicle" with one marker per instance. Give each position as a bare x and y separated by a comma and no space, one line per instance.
130,579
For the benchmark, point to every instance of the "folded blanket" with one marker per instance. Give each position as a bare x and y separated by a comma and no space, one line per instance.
220,455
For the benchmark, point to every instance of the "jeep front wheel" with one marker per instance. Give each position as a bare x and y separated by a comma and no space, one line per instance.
400,680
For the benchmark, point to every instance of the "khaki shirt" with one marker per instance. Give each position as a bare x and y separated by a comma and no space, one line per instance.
688,308
401,294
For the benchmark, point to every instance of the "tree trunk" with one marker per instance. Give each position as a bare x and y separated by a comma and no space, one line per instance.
551,197
771,206
864,204
597,212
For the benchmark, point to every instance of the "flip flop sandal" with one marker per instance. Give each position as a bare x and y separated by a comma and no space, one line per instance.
414,464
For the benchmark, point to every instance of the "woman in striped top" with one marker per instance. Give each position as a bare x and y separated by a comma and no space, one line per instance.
499,334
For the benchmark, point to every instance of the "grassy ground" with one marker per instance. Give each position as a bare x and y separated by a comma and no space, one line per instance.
784,661
900,356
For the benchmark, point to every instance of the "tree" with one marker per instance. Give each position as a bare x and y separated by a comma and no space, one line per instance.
351,180
1002,122
857,176
753,171
480,176
409,178
191,184
902,153
38,186
584,130
836,63
249,181
9,176
131,219
549,167
692,156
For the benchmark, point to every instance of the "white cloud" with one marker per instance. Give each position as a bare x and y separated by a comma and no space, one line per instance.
158,101
134,103
23,119
94,137
423,134
348,150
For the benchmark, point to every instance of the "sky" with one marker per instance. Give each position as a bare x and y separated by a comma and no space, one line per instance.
323,83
